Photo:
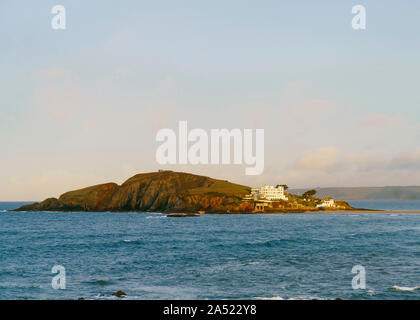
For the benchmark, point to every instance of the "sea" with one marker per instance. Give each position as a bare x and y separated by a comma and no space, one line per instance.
91,255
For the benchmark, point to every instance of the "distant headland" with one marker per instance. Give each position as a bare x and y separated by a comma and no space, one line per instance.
172,192
368,193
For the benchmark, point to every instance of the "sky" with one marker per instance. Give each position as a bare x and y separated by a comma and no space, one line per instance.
82,106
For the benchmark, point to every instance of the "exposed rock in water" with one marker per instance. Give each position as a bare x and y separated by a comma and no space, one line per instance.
181,215
163,191
119,294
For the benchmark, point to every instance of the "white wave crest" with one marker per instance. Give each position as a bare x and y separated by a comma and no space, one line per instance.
405,288
270,298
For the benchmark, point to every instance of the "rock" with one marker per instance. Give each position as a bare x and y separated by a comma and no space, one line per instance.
164,191
119,294
181,215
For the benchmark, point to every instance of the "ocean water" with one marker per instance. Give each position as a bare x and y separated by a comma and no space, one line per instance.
150,256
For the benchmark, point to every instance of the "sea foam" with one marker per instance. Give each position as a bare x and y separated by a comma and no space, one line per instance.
405,288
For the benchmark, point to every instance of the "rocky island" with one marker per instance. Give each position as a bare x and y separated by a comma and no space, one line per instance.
171,192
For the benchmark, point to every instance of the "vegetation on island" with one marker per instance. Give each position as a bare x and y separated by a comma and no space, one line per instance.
309,194
300,203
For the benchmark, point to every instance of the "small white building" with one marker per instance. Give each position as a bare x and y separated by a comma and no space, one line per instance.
326,203
268,193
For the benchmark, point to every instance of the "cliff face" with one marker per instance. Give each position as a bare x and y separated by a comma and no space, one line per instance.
164,191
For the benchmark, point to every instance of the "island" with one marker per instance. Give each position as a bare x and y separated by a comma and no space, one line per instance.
168,191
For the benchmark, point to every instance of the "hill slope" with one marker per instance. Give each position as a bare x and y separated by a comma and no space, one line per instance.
367,193
163,191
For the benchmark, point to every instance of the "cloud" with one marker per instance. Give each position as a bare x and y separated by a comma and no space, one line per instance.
157,118
314,109
332,166
332,158
380,120
323,158
305,102
406,161
59,95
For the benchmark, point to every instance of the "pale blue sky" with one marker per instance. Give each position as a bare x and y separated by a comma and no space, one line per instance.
82,106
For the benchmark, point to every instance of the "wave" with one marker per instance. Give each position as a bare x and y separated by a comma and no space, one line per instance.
405,288
133,241
284,241
268,243
100,282
102,296
293,298
270,298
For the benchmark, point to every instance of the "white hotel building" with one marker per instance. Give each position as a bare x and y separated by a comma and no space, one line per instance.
267,193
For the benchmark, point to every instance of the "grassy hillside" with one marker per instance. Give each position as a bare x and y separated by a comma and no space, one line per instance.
222,187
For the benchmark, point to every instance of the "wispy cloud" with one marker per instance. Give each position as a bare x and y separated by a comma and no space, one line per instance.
331,166
382,120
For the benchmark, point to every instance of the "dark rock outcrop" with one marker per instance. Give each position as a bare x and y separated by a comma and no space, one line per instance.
119,294
163,191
